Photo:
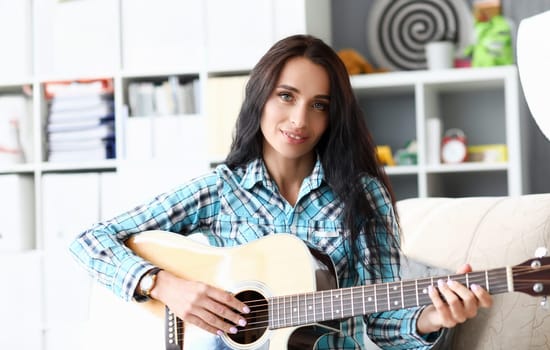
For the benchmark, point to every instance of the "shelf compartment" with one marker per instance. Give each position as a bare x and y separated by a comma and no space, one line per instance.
480,113
78,119
150,94
162,33
467,184
404,185
390,118
17,206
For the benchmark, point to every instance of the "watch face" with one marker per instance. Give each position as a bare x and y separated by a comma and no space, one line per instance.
146,284
454,151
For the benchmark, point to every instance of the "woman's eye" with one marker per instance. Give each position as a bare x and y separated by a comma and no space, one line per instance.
320,106
285,96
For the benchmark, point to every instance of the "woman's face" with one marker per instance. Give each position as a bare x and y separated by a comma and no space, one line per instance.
295,115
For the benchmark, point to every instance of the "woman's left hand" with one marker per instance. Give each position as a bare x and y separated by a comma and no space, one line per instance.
454,305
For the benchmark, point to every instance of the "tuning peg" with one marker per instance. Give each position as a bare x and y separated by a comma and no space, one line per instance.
541,252
544,303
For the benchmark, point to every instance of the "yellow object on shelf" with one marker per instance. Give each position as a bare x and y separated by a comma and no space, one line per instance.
488,153
384,155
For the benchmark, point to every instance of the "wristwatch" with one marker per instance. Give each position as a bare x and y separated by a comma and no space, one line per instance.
147,282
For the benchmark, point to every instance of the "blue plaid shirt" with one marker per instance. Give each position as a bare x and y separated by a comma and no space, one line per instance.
239,206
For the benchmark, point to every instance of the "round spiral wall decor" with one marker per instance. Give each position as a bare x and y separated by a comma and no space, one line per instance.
398,30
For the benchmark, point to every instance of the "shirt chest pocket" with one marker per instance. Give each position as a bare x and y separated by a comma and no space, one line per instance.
235,230
326,235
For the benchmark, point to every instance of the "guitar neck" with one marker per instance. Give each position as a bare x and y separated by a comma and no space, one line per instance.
306,308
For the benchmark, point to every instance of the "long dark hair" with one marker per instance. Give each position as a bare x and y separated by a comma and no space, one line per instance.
346,149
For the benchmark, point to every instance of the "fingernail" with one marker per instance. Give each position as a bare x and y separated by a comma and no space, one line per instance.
233,330
220,333
450,282
246,309
475,287
440,283
242,322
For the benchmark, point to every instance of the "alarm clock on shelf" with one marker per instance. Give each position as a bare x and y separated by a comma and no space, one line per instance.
454,147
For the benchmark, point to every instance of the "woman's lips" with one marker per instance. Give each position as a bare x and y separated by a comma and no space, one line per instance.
293,136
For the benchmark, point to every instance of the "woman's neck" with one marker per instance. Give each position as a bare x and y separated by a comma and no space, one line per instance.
289,174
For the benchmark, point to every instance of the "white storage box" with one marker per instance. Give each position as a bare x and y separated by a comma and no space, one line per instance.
17,213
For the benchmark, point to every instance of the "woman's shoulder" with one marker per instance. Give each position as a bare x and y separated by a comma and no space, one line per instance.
376,192
371,183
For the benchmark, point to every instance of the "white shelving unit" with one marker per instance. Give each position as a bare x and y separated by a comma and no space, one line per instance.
126,41
483,102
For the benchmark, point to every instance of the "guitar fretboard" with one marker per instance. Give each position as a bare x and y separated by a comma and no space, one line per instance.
306,308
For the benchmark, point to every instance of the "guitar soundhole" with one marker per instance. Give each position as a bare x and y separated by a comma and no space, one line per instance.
256,320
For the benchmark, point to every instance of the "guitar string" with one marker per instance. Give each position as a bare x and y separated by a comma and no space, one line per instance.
392,295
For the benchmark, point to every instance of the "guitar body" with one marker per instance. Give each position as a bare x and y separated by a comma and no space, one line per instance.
275,265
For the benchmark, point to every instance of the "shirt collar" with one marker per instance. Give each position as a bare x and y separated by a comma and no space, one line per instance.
257,172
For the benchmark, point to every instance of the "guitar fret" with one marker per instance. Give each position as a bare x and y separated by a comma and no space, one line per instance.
303,309
280,313
314,303
408,293
339,298
352,306
309,307
375,300
416,292
323,316
299,309
423,286
363,299
499,275
292,309
402,298
487,282
331,305
285,311
358,301
272,310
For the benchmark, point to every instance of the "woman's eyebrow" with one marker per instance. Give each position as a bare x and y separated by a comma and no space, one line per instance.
292,88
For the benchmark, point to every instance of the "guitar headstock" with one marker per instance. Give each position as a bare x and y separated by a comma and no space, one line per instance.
533,276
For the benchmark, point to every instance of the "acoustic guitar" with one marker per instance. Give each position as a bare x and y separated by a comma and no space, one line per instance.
292,289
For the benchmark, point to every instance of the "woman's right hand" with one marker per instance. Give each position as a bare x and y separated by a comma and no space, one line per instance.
210,308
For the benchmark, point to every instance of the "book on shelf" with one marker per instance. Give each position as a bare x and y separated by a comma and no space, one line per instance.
82,150
78,145
96,133
80,124
66,109
169,97
76,155
78,88
81,121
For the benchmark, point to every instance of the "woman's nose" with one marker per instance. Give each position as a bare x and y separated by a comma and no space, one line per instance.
298,116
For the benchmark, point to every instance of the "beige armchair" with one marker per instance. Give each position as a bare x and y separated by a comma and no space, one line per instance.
487,232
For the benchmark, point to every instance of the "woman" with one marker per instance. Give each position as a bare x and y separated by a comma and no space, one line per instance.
302,162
